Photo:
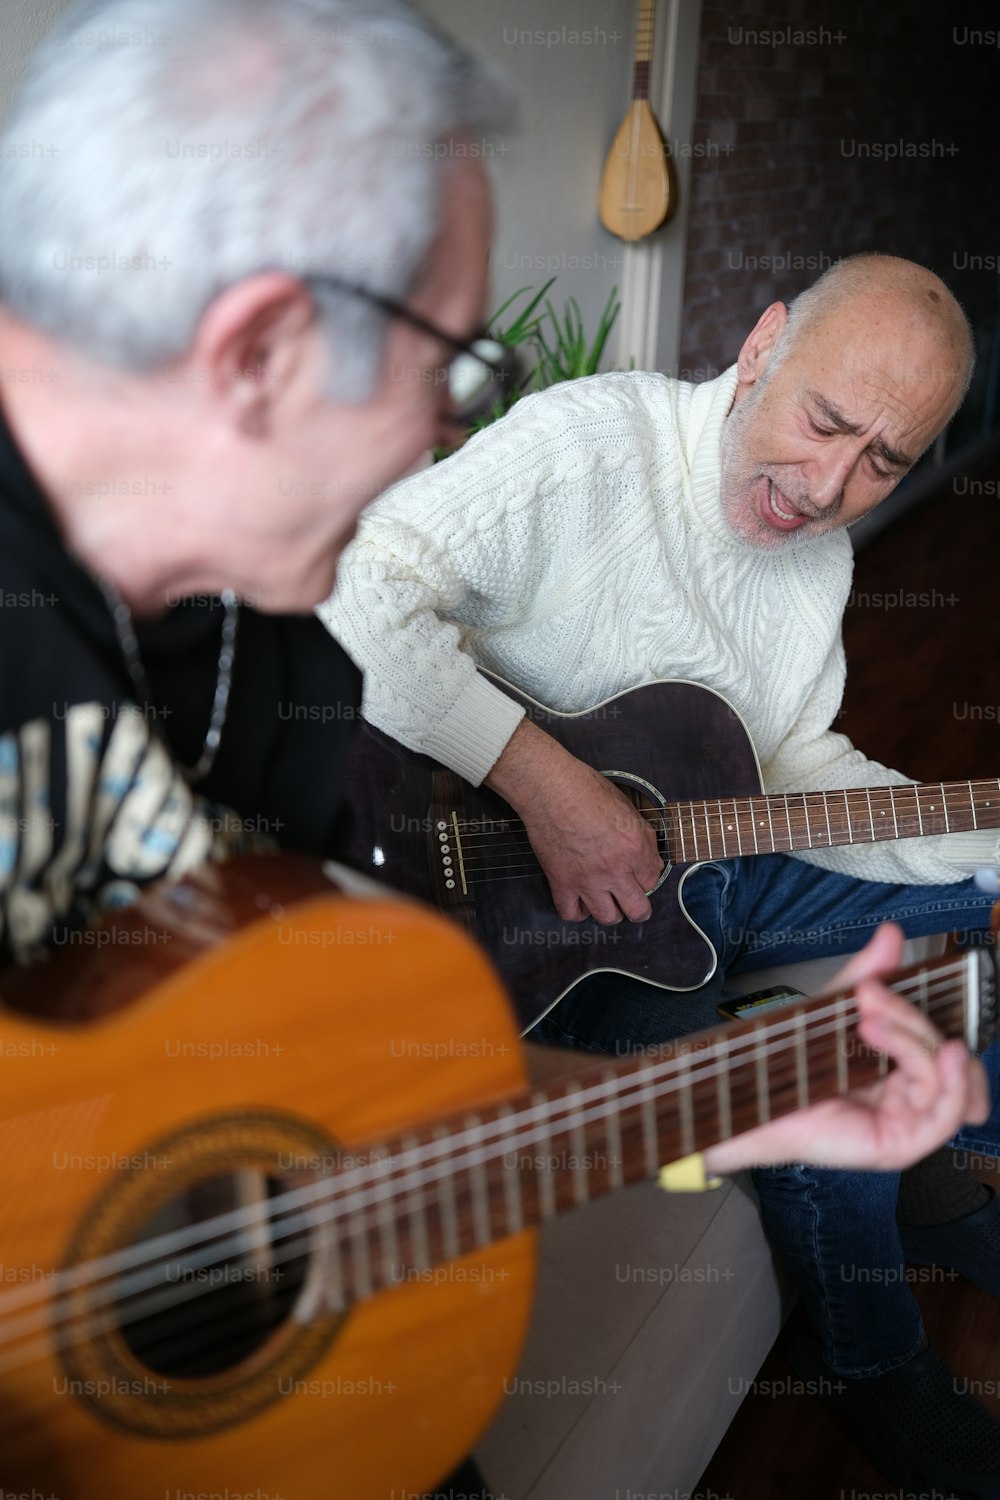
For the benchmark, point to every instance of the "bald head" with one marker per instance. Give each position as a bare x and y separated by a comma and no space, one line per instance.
838,396
894,306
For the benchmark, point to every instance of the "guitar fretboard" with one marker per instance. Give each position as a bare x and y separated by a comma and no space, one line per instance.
444,1191
645,24
724,827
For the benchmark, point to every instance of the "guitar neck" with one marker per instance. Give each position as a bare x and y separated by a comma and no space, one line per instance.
723,827
463,1184
645,26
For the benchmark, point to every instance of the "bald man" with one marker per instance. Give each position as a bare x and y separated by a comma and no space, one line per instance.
630,527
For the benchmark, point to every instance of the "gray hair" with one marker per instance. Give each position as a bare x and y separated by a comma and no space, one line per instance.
177,146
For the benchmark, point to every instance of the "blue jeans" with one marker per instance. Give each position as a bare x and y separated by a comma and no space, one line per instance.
835,1230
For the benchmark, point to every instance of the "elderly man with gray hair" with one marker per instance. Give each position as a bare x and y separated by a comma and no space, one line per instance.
630,527
230,290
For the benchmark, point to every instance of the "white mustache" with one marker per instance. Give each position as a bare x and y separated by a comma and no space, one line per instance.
805,506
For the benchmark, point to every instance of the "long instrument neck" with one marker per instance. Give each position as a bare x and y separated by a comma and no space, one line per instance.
465,1183
645,25
722,827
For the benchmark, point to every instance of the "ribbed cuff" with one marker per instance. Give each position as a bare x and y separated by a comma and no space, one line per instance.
474,733
971,851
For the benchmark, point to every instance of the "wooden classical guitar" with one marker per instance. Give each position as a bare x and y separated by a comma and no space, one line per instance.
271,1165
684,757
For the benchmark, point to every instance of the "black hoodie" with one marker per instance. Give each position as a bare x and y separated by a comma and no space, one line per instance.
92,799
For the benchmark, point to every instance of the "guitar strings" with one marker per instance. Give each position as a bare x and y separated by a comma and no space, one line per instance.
158,1301
781,1033
799,819
638,1082
756,802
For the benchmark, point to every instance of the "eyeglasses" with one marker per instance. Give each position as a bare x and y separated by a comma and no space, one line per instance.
481,373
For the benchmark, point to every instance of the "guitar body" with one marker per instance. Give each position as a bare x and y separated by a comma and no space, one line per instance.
683,740
637,193
324,1021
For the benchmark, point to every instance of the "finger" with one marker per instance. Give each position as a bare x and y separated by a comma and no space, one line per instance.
913,1048
602,907
633,901
648,871
568,905
881,954
874,999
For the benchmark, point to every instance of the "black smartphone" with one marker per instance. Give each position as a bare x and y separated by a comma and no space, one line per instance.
742,1007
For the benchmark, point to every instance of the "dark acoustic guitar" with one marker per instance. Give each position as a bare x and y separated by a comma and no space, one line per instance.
271,1170
684,757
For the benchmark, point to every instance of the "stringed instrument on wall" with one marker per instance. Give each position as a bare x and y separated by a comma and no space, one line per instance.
271,1170
638,191
684,757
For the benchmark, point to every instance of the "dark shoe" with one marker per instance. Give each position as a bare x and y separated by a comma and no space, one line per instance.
970,1246
912,1423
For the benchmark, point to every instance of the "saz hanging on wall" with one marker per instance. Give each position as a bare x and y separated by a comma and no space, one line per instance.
638,192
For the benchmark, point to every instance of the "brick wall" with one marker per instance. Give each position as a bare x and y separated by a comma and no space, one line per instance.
788,173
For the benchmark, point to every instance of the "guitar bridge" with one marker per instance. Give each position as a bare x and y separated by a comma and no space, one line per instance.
445,852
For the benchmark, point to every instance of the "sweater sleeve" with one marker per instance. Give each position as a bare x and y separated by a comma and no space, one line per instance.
439,563
814,757
421,684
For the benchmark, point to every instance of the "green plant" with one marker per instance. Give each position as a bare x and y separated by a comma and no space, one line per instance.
555,348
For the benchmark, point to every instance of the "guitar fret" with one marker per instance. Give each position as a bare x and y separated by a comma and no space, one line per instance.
847,809
513,1202
613,1137
650,1138
826,814
923,999
708,832
763,1087
840,1013
546,1186
723,1092
770,821
806,819
753,825
871,817
788,820
448,1207
360,1257
723,830
801,1064
476,1172
679,814
685,1103
416,1212
892,804
736,823
581,1180
385,1215
944,805
920,811
333,1282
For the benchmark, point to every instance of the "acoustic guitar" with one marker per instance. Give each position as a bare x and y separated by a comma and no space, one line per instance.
271,1167
684,757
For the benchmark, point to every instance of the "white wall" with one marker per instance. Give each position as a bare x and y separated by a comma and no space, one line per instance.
573,94
571,64
24,24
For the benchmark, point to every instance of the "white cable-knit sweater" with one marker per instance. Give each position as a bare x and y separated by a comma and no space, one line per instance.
578,548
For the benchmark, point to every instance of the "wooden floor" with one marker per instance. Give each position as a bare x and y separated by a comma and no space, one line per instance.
922,636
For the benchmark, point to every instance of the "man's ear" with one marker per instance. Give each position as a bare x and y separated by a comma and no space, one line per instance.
250,345
752,359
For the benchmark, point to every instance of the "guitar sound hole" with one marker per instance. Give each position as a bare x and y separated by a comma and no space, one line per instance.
214,1310
648,808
